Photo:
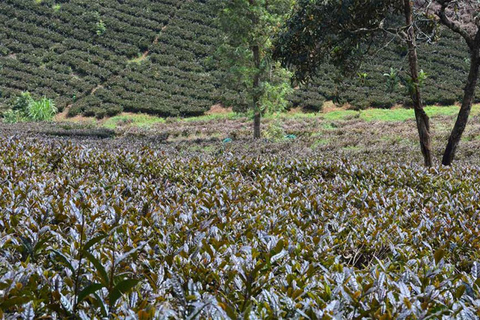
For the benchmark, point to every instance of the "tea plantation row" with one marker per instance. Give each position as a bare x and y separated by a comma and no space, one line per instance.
137,233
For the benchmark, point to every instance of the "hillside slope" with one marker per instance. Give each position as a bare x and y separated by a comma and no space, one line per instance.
141,55
102,57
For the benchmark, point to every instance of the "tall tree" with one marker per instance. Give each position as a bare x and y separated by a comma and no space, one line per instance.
341,31
249,26
461,17
423,122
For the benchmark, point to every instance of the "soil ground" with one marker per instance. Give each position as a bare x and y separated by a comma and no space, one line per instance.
387,135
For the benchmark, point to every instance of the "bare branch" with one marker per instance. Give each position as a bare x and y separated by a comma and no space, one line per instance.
454,25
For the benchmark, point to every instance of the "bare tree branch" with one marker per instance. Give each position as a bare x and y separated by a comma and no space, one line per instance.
453,25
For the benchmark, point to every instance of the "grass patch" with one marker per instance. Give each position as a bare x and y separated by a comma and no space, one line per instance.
340,114
294,115
402,114
139,120
330,126
387,114
137,60
434,111
215,116
146,121
351,148
320,142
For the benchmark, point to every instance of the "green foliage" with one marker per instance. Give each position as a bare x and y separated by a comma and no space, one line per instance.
246,25
13,116
56,54
100,113
422,76
137,120
137,232
101,28
362,77
22,102
74,111
41,110
392,80
25,108
335,31
274,98
274,131
113,110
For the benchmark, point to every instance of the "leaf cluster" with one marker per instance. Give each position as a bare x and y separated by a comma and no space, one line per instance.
26,108
333,31
91,233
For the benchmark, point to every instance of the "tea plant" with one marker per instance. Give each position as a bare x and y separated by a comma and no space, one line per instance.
174,79
90,233
101,28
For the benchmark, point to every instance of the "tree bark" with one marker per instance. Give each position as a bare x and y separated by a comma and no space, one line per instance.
256,90
468,97
423,122
256,125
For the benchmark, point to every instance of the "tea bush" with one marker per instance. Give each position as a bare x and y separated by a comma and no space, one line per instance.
131,232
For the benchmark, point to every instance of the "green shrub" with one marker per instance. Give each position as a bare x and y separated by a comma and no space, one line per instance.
41,110
179,77
101,27
25,108
90,112
74,111
100,113
113,110
13,116
22,102
274,131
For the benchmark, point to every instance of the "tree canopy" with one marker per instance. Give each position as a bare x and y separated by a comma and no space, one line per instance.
334,30
342,32
249,27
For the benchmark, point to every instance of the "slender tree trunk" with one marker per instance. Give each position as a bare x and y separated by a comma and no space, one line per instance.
423,122
469,96
256,90
256,125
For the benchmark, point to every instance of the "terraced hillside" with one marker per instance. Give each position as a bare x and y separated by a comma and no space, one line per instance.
104,57
444,62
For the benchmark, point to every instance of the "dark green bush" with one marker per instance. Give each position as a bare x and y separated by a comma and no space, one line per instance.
100,113
75,111
113,110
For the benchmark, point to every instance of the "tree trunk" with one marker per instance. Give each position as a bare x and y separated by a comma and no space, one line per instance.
256,90
423,122
256,125
469,95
